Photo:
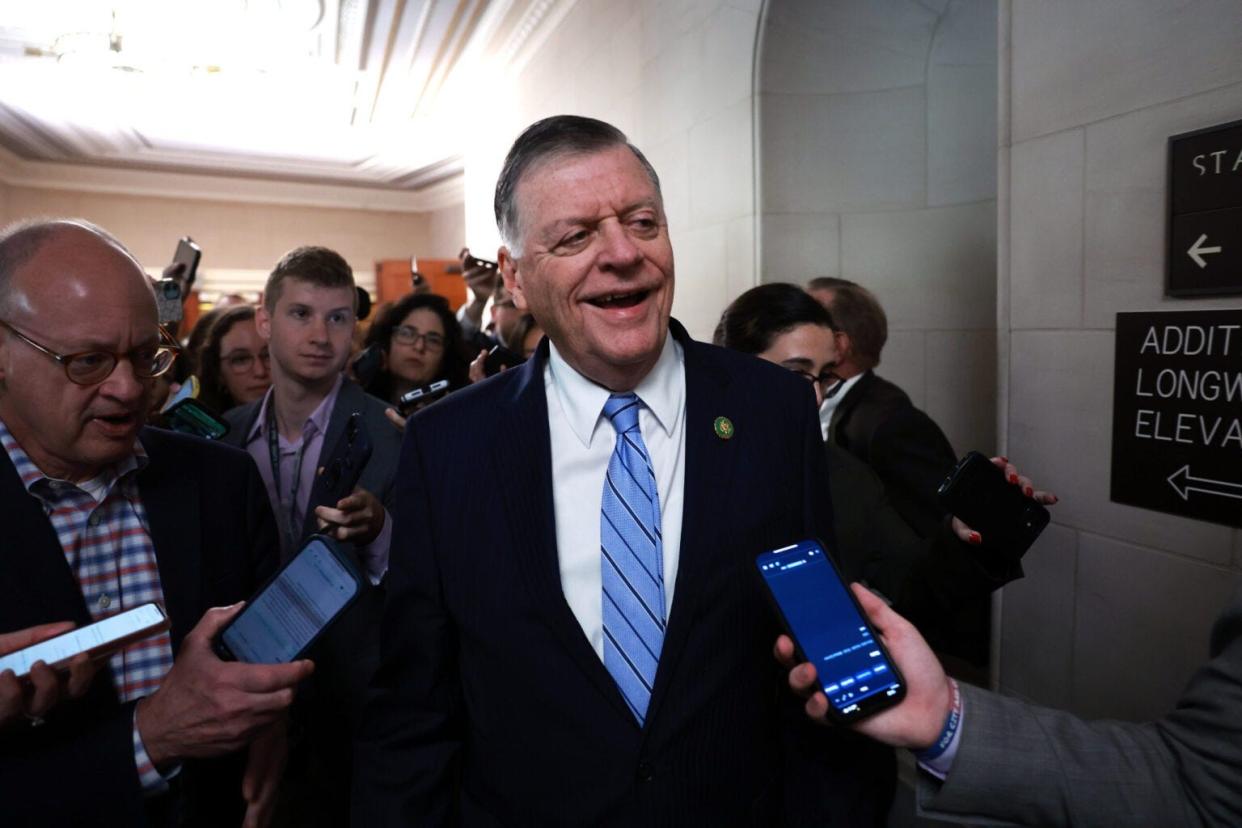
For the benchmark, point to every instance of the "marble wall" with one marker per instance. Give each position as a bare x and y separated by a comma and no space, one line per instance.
1114,613
877,157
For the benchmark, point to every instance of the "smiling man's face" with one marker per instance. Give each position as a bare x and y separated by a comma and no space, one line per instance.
596,264
76,293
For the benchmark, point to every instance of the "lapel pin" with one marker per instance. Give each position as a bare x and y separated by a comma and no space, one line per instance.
723,427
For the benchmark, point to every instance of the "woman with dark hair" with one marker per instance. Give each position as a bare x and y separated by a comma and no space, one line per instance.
924,578
421,340
234,366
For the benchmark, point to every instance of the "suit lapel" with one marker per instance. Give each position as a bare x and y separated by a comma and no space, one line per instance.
32,562
171,500
523,450
709,472
841,416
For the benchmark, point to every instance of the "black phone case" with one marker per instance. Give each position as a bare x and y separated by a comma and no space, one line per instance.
347,563
344,464
880,703
977,492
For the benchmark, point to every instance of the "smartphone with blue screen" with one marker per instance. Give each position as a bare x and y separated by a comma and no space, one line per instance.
830,630
299,603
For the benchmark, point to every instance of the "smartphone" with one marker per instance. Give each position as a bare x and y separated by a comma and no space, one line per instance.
831,631
189,416
500,358
977,492
421,396
170,294
188,253
294,608
100,639
343,465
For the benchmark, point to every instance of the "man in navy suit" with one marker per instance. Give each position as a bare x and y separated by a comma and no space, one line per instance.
594,648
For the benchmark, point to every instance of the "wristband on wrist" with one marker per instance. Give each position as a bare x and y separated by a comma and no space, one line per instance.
951,723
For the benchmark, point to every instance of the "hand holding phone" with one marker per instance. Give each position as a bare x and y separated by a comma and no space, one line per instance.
97,640
294,608
34,695
413,400
978,494
205,707
829,630
917,721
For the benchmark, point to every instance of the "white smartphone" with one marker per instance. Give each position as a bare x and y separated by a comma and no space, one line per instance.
103,638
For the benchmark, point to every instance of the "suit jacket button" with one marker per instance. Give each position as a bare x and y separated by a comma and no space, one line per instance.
645,772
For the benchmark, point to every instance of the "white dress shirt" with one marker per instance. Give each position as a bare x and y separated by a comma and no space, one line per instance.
830,404
582,443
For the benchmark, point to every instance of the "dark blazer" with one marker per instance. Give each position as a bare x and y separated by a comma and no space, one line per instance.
215,542
329,706
492,708
1022,764
926,579
877,423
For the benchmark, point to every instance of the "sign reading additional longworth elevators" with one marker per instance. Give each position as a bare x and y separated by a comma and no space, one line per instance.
1177,413
1205,212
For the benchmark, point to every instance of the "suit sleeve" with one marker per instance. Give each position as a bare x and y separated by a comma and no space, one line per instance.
1026,765
912,456
411,730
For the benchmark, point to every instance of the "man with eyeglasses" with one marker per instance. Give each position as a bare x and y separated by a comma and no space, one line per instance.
102,515
307,319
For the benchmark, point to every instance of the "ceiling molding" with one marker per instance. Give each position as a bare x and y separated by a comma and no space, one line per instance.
18,172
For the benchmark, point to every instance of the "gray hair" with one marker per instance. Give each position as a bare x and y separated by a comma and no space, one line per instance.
542,141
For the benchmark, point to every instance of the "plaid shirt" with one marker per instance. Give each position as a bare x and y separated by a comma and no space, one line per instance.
102,528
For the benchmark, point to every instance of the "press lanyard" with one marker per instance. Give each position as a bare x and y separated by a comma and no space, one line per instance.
292,531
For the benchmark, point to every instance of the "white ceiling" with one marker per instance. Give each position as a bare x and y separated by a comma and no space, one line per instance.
356,92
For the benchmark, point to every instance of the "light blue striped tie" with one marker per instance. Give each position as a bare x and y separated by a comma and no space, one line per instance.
632,560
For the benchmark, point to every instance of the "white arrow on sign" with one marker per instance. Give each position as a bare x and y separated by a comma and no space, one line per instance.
1184,484
1197,250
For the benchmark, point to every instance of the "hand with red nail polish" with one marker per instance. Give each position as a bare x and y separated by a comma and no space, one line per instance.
968,535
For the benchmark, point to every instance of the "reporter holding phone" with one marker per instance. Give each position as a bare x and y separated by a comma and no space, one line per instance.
46,686
102,514
292,433
1010,762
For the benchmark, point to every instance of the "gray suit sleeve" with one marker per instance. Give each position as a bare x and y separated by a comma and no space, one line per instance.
1027,765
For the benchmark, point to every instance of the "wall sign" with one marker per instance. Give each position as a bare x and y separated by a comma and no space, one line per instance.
1177,413
1205,212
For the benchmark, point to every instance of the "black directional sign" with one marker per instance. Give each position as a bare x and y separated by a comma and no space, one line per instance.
1205,212
1177,413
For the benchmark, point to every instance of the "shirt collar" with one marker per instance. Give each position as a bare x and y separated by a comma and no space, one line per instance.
318,418
31,475
662,391
831,403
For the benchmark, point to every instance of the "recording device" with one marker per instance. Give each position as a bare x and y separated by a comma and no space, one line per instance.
830,630
185,414
500,358
470,262
99,640
423,395
367,365
170,293
294,608
978,493
344,464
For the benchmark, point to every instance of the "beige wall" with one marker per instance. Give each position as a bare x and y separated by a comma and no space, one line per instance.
446,233
241,241
1115,609
676,77
877,124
